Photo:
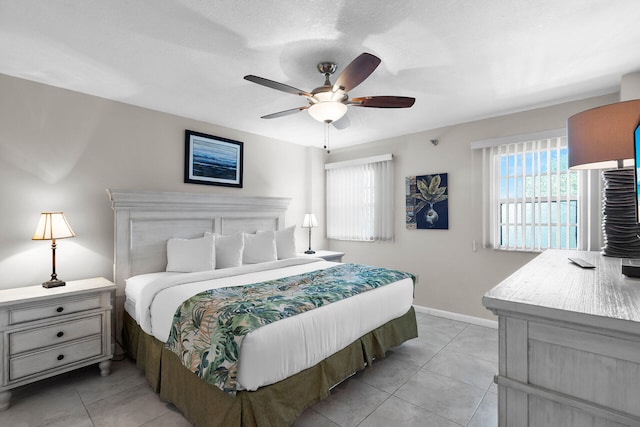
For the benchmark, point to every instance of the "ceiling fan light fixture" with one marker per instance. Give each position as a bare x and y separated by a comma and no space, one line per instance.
328,103
327,111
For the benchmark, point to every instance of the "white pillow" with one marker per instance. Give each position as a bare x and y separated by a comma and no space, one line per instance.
259,247
286,243
229,250
189,255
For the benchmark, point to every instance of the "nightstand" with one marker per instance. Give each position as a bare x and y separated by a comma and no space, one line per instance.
45,332
325,255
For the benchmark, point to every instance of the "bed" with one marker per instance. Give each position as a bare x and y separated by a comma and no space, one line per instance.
285,366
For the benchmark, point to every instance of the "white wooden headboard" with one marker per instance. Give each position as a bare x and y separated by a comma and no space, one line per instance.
144,221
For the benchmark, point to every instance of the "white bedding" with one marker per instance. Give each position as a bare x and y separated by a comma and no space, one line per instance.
281,349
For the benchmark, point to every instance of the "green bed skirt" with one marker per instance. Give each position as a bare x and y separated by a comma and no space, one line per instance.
278,404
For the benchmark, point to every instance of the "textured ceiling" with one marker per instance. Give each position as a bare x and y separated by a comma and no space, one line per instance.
461,59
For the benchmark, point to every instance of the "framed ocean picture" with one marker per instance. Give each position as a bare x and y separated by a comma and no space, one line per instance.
427,202
212,160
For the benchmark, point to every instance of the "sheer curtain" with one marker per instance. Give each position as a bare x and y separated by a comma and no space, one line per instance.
360,199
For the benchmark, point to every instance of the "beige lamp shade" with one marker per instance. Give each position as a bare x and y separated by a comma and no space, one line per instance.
52,225
603,137
309,221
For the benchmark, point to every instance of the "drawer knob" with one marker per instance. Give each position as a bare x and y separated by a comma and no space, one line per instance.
60,309
60,357
60,334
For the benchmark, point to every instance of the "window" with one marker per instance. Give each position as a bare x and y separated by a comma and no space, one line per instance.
532,201
360,199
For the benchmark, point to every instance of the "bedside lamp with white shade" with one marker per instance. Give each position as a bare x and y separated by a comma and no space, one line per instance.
52,226
309,222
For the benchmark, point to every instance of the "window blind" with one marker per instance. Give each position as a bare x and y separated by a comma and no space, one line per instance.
531,201
360,199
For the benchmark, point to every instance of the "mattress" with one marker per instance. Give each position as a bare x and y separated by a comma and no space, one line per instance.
281,349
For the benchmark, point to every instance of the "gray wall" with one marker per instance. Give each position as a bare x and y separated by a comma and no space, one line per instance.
60,150
452,276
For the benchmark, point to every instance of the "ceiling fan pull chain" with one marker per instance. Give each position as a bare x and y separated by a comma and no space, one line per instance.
326,137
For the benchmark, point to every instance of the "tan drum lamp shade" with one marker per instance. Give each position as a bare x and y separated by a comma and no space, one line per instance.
52,226
603,138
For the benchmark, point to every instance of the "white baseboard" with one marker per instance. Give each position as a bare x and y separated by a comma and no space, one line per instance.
457,316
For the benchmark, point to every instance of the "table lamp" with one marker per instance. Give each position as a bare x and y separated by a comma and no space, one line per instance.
309,222
603,138
52,226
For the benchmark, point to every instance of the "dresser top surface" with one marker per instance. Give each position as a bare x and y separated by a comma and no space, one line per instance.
552,286
35,293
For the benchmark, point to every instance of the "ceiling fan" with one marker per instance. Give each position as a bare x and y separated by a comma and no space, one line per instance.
328,103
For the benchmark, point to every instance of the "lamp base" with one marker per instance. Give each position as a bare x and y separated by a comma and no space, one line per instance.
53,283
620,229
309,252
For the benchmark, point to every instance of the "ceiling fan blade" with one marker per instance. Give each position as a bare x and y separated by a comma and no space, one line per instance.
342,123
277,86
356,72
383,101
284,113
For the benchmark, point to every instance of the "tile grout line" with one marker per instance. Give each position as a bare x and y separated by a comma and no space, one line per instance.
475,411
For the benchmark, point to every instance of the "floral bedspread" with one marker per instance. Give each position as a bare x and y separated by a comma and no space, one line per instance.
208,328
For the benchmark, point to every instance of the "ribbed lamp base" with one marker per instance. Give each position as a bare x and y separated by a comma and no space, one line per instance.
619,219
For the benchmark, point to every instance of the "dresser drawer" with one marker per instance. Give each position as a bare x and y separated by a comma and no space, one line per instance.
53,358
58,333
53,308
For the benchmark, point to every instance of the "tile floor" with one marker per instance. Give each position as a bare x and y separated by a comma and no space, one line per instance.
442,378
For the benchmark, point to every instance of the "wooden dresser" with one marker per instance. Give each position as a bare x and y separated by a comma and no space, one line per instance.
44,332
569,350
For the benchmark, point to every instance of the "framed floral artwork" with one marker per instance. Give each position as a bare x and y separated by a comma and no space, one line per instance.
427,202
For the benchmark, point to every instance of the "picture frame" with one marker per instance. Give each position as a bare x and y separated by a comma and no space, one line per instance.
212,160
427,202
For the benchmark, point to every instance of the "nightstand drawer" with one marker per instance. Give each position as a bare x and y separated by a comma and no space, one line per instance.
58,333
53,358
52,309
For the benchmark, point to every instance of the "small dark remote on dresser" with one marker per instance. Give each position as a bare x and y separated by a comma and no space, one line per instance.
581,263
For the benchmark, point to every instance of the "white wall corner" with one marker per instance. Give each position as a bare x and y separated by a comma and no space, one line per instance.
630,86
457,316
